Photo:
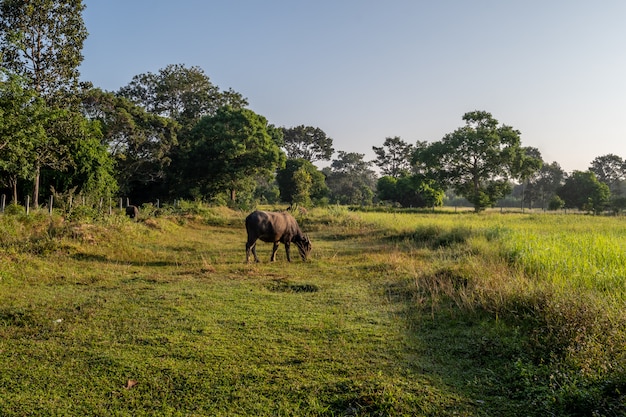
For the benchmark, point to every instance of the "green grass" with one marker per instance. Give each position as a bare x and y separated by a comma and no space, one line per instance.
396,314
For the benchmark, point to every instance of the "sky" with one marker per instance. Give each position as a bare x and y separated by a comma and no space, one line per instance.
365,70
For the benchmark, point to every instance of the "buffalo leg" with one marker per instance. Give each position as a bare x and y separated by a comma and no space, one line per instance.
274,249
251,247
287,246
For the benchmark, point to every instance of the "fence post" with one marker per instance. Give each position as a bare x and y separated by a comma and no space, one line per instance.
27,204
120,203
50,206
2,203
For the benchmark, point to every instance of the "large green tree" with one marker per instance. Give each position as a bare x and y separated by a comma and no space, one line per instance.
292,182
410,191
140,142
21,114
476,160
182,93
229,150
611,170
394,157
42,41
307,142
583,191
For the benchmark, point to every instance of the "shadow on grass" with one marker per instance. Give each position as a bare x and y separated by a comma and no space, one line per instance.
470,353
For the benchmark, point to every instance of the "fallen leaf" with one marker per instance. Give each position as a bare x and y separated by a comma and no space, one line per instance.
130,384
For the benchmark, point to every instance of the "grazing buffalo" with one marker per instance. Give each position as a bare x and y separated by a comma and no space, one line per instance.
275,228
132,212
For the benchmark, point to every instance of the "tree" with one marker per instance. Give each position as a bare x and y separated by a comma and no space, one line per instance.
410,191
476,159
527,163
350,179
21,112
180,93
611,170
140,142
394,157
42,41
90,169
230,149
543,185
307,142
289,181
582,190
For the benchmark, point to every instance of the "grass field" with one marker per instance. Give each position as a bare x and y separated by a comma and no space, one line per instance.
395,314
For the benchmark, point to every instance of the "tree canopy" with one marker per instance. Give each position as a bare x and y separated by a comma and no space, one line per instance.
307,142
394,157
476,160
42,41
230,149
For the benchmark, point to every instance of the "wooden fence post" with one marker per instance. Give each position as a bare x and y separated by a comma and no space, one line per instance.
27,205
50,206
3,202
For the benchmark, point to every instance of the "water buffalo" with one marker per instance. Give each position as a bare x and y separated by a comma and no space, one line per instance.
132,212
275,228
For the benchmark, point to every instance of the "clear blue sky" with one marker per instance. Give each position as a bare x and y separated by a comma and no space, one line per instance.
364,70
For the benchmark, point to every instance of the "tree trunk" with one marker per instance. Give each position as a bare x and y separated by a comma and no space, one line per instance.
36,188
13,182
233,194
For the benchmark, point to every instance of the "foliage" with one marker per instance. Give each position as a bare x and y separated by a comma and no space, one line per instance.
410,191
307,142
20,113
609,169
42,41
90,167
179,93
476,160
350,179
583,191
394,157
140,142
291,189
230,149
543,184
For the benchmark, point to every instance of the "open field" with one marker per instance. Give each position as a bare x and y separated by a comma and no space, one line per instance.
395,314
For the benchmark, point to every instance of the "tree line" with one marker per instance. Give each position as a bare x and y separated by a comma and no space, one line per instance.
173,134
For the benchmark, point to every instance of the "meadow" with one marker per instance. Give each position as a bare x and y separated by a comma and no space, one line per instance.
396,313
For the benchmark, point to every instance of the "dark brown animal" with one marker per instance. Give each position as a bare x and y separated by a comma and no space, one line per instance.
275,228
132,212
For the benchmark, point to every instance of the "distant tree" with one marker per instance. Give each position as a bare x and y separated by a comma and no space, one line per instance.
291,189
410,191
230,149
140,142
582,190
351,179
476,160
180,93
527,164
394,157
42,41
307,142
611,170
543,185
